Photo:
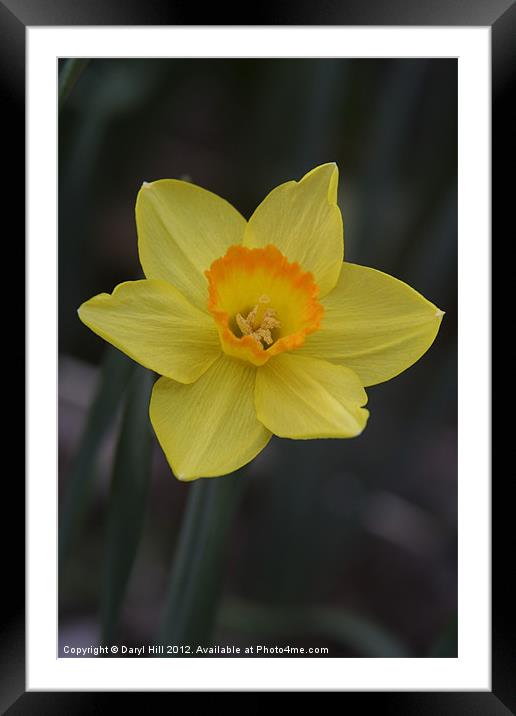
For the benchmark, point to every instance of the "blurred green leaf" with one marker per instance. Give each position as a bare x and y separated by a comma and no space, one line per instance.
129,487
70,73
115,374
192,599
332,624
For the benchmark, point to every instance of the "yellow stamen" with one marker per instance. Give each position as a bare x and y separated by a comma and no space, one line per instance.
260,322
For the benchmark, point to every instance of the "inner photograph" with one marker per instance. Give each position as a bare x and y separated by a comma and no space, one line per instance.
257,358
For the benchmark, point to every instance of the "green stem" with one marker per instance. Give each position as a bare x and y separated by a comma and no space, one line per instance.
128,497
72,70
194,588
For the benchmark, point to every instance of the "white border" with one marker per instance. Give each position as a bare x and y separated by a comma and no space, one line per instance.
472,669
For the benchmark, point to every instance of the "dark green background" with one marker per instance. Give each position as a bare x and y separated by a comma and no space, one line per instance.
346,544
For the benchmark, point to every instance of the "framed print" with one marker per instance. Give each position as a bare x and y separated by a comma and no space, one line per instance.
258,377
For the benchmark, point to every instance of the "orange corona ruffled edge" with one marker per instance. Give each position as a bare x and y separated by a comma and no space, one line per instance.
248,261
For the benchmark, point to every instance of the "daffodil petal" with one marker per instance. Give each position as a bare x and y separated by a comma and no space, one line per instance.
374,324
303,221
182,229
155,325
299,397
209,428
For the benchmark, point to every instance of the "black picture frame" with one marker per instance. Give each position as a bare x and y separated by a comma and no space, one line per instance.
15,17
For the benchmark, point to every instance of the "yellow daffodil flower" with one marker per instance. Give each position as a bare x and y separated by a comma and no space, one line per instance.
257,327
